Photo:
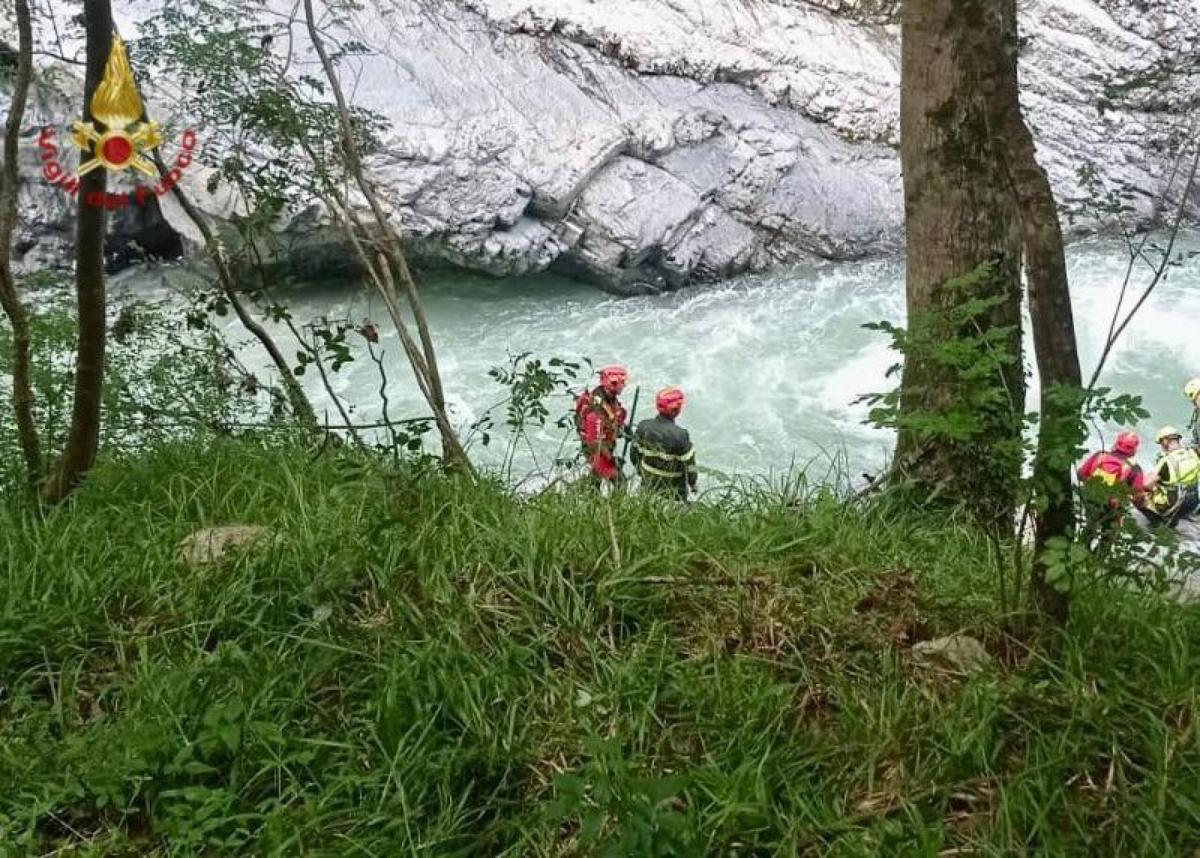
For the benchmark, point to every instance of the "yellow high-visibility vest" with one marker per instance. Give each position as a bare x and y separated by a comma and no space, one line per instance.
1183,468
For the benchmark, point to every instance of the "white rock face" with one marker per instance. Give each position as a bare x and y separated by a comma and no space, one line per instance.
645,144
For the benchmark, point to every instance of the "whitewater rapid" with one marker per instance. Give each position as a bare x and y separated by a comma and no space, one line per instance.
773,365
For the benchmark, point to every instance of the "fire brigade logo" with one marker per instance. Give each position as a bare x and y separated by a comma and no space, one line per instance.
118,106
121,146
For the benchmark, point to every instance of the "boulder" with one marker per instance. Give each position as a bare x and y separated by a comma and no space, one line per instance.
957,653
211,545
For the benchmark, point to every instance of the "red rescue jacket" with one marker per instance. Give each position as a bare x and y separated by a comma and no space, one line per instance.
1114,469
600,421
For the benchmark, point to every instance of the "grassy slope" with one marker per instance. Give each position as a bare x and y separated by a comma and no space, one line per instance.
410,668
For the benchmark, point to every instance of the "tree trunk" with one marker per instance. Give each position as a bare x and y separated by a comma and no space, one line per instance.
961,222
10,300
80,451
1061,430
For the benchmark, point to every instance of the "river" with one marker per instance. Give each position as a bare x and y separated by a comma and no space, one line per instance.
772,364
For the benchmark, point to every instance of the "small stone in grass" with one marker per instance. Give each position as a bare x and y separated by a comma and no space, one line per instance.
213,544
958,653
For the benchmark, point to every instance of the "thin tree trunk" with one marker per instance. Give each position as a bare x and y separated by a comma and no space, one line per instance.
960,222
10,300
452,450
301,407
84,438
1060,429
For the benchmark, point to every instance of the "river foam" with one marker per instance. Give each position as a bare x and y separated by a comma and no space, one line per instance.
772,364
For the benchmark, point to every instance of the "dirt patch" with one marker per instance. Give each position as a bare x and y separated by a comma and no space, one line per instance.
970,808
892,604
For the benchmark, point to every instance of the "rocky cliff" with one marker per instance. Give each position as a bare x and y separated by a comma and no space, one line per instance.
645,144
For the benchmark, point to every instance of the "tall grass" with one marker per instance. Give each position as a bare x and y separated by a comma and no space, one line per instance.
422,665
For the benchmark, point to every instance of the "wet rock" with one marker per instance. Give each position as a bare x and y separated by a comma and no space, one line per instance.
212,545
957,653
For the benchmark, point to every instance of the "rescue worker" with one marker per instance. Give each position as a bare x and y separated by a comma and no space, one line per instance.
1192,391
600,421
662,449
1175,483
1115,468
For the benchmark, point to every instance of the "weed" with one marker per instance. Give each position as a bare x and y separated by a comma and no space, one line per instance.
423,664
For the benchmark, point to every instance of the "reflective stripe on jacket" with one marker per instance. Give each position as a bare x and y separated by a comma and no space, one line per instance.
1178,476
1182,468
649,455
663,454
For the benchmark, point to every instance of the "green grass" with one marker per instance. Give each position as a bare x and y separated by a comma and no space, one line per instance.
423,666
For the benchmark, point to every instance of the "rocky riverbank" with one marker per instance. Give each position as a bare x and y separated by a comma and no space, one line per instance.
645,144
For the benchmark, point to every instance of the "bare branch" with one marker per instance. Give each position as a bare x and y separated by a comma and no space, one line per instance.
301,407
1160,271
62,58
426,371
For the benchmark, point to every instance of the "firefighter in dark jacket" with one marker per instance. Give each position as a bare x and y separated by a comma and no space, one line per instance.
662,450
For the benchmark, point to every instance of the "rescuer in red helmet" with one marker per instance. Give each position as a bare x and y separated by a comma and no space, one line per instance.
1116,469
600,420
662,450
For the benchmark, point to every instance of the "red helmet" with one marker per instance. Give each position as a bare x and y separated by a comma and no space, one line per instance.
669,402
612,378
1127,443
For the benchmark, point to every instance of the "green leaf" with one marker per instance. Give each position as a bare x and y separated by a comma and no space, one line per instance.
592,825
195,767
231,736
571,786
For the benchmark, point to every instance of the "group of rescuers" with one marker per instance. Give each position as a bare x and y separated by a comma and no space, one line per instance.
1167,495
665,459
660,448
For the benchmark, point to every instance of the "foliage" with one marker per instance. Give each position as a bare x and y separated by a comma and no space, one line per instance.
421,664
970,404
975,353
270,141
621,813
1097,199
279,154
271,128
531,384
163,379
1165,84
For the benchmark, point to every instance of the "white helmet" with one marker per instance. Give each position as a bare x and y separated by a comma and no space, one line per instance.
1166,433
1192,390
